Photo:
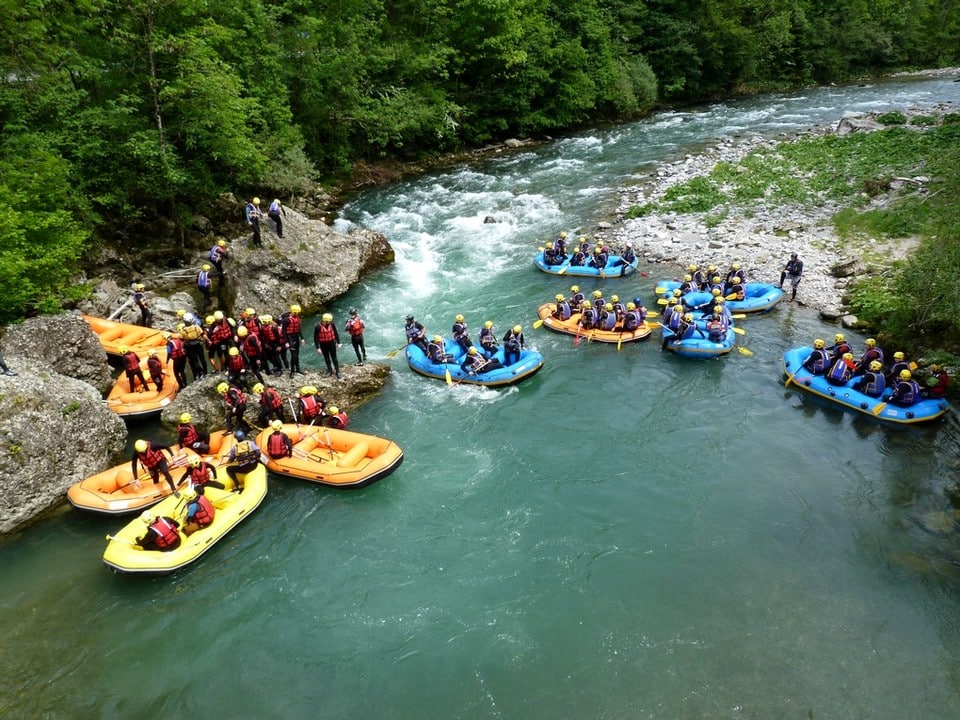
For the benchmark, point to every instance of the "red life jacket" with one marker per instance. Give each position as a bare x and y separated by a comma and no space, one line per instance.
155,367
252,347
292,326
188,434
355,326
276,444
271,333
338,421
133,362
235,397
175,347
200,475
252,324
150,458
165,533
204,513
309,407
236,363
325,333
271,399
221,331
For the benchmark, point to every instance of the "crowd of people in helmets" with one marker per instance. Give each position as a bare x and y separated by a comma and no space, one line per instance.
583,254
873,373
474,358
599,313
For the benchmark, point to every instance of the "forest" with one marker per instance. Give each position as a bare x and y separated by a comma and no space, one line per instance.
117,114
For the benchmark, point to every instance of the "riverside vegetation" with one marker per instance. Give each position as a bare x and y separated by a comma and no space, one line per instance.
911,300
123,123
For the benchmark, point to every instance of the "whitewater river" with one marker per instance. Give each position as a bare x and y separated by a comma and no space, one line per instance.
625,535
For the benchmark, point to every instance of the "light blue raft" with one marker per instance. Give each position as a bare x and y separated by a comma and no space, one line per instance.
699,345
848,398
612,269
759,297
530,362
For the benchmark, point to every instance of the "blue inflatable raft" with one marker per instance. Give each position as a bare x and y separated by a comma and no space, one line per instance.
612,269
846,397
759,297
530,362
699,345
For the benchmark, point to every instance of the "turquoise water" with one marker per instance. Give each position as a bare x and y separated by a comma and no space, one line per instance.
627,534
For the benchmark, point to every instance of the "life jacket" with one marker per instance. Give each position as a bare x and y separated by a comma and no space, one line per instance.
587,316
579,257
870,355
675,319
216,253
155,367
140,298
355,326
165,533
271,399
252,347
150,458
132,362
203,279
339,421
907,392
325,333
310,407
511,342
563,310
715,330
274,208
271,333
235,397
487,338
252,324
839,372
873,384
576,300
277,444
191,332
818,361
245,453
631,321
200,475
413,332
203,512
459,330
175,347
220,332
436,351
187,434
292,325
619,309
236,363
895,369
608,320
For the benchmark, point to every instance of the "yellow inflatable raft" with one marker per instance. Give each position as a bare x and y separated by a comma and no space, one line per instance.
339,458
124,555
572,327
142,401
115,335
116,492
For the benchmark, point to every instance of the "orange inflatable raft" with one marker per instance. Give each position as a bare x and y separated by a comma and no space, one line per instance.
115,335
339,458
116,492
142,401
572,327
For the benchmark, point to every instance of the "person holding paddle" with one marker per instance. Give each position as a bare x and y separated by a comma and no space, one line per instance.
488,340
163,533
150,455
513,345
474,363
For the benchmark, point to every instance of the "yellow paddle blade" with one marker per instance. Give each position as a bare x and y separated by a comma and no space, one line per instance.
562,270
738,316
660,290
739,331
603,275
619,342
662,301
744,351
879,409
537,323
449,379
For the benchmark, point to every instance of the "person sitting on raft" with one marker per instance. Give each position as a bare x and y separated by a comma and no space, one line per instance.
608,318
416,335
631,319
938,383
551,256
279,444
906,392
735,290
579,257
872,383
475,363
588,317
163,533
599,259
562,311
488,340
688,286
200,512
871,353
561,245
899,363
576,298
716,325
842,370
818,362
839,346
437,351
627,257
461,334
512,345
200,474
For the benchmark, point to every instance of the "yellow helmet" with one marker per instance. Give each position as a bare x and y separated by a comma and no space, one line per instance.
123,349
185,418
306,390
559,297
189,494
549,246
608,307
205,267
258,388
688,317
564,235
870,342
736,266
716,279
631,306
209,320
147,517
597,294
437,338
488,324
672,301
181,312
256,201
222,243
517,328
250,311
223,387
691,268
936,368
266,318
838,338
327,317
140,445
677,293
218,315
718,309
195,460
295,309
819,344
333,410
140,286
875,365
233,352
277,425
687,278
898,355
615,298
848,356
459,318
715,292
905,375
152,352
575,288
242,332
735,280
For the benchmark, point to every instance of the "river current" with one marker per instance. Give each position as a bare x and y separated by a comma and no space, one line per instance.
627,534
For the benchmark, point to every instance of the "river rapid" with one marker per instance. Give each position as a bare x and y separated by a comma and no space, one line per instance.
627,534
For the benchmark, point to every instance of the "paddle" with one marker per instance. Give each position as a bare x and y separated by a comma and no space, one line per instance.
744,351
739,331
879,409
619,341
449,378
537,323
113,538
564,266
738,316
393,353
660,290
576,340
474,371
329,444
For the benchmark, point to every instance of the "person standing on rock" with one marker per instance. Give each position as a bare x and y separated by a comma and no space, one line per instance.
326,339
792,271
253,214
140,300
276,213
290,324
204,284
355,327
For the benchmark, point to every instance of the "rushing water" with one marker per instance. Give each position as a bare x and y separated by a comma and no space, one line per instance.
627,534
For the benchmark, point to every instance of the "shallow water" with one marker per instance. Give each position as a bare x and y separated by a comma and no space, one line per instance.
627,534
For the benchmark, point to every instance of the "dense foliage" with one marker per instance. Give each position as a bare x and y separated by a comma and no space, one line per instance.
145,109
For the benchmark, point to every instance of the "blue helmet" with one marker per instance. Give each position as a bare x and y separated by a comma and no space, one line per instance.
240,435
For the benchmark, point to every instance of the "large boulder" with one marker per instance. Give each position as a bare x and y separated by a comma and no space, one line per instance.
54,431
65,344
